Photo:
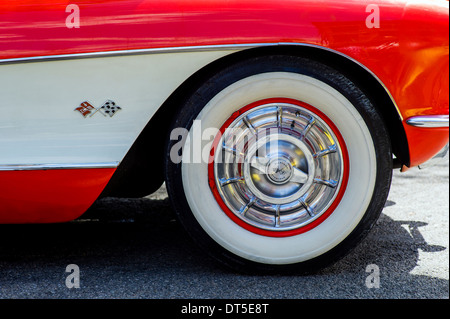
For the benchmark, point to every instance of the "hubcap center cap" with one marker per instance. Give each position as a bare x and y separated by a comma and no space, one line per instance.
279,170
274,177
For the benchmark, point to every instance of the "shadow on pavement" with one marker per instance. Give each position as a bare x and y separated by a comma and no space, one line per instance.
137,247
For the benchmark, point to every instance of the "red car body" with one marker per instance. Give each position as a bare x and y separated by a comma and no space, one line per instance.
407,55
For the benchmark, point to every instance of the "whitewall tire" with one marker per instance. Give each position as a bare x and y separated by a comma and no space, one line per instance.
306,203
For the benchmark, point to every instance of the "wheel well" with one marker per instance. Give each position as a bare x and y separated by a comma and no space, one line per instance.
142,170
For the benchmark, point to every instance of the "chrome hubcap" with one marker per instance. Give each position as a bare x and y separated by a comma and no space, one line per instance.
278,166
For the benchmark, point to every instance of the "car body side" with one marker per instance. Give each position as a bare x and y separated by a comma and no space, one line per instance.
54,163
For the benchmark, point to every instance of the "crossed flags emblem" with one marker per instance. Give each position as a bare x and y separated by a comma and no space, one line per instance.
108,108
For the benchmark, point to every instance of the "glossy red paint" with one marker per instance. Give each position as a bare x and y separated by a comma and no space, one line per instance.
49,196
268,233
426,141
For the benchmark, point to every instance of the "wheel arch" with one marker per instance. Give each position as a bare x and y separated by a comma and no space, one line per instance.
142,170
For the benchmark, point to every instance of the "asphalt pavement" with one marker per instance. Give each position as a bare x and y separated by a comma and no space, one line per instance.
135,249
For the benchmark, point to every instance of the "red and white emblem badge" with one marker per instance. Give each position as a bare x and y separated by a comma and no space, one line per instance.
108,108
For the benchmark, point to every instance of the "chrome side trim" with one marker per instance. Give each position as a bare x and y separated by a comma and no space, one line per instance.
199,48
429,121
35,167
103,54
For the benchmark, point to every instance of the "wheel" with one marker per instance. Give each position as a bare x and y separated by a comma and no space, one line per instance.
278,164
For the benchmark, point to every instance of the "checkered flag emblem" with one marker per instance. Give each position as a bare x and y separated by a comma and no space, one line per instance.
109,108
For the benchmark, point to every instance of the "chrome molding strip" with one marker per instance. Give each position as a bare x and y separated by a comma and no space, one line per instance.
200,48
43,167
103,54
429,121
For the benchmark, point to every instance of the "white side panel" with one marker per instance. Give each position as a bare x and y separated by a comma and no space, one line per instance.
38,121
